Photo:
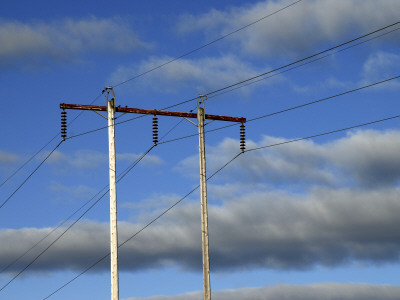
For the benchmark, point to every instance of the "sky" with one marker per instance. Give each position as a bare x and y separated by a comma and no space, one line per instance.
308,211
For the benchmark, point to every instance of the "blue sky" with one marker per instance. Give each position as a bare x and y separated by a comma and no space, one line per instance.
301,220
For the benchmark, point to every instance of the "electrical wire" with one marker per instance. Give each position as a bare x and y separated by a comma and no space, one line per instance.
26,162
30,175
208,178
119,178
250,80
254,119
153,69
206,45
41,149
70,226
301,65
288,109
325,133
303,59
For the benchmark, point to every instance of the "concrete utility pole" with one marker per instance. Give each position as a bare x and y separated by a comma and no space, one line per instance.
113,195
203,199
201,117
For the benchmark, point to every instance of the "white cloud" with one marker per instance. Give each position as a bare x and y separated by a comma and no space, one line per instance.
317,291
201,75
81,192
298,29
36,42
381,65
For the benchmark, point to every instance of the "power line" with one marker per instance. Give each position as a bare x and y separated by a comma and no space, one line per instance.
70,226
325,133
267,115
250,81
211,176
289,109
303,59
206,45
119,178
30,175
41,149
151,70
301,65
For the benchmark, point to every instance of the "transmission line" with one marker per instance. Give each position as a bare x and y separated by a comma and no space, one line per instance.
206,45
41,149
151,70
70,226
208,178
30,175
250,80
288,109
119,178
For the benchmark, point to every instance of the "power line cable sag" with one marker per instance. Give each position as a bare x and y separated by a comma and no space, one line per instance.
303,59
30,175
158,67
289,109
119,178
71,225
206,45
250,81
208,178
41,149
212,92
303,64
257,118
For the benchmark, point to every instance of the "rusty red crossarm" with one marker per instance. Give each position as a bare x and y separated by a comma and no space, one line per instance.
151,112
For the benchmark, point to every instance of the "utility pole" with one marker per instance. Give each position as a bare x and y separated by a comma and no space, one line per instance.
203,200
113,195
201,117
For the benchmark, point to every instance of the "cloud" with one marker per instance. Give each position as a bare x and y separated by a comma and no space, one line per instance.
362,158
381,65
64,40
89,159
267,230
7,158
202,74
297,30
81,192
317,291
345,212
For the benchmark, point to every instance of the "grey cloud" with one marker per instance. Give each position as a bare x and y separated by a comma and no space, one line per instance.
301,28
369,156
318,291
366,158
6,157
272,230
62,40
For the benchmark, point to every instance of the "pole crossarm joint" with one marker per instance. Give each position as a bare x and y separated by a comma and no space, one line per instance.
152,112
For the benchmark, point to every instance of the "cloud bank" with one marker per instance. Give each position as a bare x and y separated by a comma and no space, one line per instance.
325,291
294,31
63,40
347,216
